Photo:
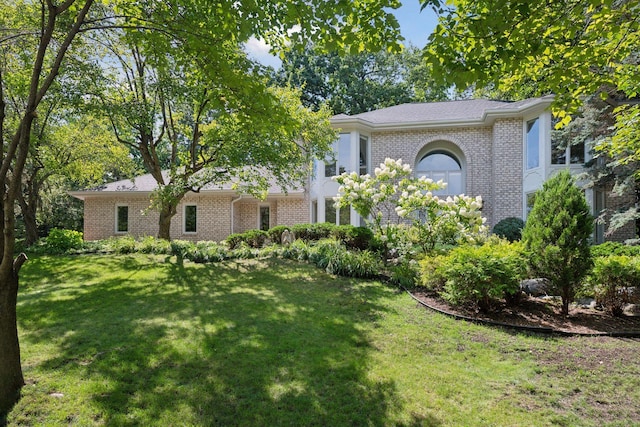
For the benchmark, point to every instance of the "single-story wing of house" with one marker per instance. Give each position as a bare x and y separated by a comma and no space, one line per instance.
502,151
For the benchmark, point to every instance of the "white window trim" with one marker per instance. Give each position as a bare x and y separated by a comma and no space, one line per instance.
120,205
184,218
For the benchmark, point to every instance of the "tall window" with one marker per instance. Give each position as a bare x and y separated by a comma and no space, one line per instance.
364,155
533,144
342,153
440,165
336,216
190,218
122,219
560,153
264,218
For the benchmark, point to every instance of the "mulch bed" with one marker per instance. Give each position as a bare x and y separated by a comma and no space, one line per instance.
543,314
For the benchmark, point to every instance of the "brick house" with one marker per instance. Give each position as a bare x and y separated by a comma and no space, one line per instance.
502,151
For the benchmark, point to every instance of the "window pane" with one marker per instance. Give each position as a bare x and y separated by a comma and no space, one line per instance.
264,218
454,183
123,219
344,153
364,155
345,215
533,144
329,211
438,162
577,153
190,218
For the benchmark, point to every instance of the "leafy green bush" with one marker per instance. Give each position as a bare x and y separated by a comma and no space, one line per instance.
182,248
333,256
431,273
243,251
479,275
616,279
509,228
60,241
152,245
122,245
253,238
556,236
203,252
354,237
405,273
298,250
614,248
313,232
275,233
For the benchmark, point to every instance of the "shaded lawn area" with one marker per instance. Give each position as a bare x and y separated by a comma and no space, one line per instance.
148,340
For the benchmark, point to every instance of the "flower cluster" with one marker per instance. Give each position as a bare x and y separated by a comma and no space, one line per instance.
393,196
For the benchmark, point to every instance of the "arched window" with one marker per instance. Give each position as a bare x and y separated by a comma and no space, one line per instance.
440,165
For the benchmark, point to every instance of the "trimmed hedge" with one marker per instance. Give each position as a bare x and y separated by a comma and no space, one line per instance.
614,248
509,228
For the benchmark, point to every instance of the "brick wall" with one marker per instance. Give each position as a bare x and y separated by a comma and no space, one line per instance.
491,158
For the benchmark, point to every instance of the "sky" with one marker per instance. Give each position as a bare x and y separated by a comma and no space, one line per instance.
415,26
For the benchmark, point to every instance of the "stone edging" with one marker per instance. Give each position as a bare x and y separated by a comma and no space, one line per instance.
536,329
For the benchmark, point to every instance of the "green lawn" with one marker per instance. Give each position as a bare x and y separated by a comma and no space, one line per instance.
146,340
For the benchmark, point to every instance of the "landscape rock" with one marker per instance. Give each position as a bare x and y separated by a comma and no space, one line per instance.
535,287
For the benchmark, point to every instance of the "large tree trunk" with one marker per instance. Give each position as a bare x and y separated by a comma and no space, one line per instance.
29,217
167,212
10,369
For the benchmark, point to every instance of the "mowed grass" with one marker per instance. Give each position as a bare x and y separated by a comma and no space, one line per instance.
148,340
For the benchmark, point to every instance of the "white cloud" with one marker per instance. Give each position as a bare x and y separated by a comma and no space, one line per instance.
258,49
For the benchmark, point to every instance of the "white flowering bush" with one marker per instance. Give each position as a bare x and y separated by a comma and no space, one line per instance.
393,198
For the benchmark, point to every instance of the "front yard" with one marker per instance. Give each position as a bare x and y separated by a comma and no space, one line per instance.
148,340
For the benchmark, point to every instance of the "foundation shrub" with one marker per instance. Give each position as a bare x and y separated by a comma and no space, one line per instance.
152,245
478,276
353,237
313,232
614,248
275,233
616,282
509,228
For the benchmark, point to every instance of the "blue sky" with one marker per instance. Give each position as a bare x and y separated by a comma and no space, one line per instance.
415,26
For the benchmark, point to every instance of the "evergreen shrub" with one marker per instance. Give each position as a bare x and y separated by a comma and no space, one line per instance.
509,228
556,236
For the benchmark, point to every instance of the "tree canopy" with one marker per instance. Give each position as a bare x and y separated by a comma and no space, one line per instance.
359,82
40,38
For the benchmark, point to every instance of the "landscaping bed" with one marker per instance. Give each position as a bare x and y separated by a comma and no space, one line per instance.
544,313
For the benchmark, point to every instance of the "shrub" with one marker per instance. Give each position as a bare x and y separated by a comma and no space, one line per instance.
353,237
122,245
616,279
509,228
333,256
298,250
203,252
480,275
253,238
614,248
431,273
405,273
556,236
61,241
182,248
313,232
152,245
275,233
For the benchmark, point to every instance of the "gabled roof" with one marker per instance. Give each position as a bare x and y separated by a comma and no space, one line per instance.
145,184
471,112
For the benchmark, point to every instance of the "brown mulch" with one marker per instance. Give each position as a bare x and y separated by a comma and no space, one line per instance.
535,312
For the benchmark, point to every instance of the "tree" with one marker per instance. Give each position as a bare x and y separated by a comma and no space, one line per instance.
574,49
355,83
556,236
45,32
